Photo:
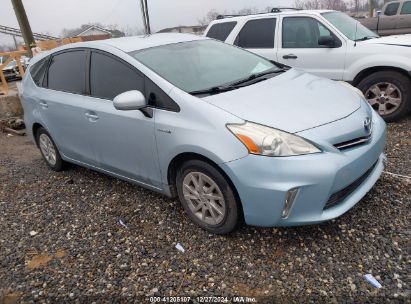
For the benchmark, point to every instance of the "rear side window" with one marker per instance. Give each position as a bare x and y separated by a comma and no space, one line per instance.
220,31
67,72
110,77
392,9
406,8
257,34
37,71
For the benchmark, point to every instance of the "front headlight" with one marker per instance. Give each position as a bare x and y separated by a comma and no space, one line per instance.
262,140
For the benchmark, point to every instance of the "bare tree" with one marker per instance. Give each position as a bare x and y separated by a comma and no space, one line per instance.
308,4
211,15
338,5
132,31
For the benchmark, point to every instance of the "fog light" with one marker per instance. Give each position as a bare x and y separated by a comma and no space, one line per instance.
289,201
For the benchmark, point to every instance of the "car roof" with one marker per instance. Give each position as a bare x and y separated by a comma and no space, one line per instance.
264,15
125,44
129,44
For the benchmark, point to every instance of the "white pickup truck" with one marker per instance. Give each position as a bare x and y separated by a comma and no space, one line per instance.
329,44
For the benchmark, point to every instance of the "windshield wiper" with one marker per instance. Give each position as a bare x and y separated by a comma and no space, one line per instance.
255,76
236,84
365,38
213,90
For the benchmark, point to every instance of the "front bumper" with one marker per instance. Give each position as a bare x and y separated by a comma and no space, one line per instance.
263,182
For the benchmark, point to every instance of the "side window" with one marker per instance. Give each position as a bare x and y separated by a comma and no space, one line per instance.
67,72
110,77
406,8
302,32
220,31
257,34
157,98
323,30
37,71
392,9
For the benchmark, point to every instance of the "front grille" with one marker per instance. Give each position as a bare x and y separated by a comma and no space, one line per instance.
353,142
341,195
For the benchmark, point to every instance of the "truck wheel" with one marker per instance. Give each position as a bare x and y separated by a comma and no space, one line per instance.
389,93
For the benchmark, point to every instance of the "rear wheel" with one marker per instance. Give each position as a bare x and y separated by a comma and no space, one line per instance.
207,197
389,93
49,150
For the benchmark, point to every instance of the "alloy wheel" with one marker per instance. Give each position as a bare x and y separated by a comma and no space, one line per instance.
204,198
384,97
47,149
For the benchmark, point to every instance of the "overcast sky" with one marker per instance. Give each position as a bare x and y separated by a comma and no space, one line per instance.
53,15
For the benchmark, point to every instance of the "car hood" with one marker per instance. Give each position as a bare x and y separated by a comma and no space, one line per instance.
293,101
398,40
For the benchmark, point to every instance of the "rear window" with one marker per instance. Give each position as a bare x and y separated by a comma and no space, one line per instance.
37,71
392,9
67,72
257,34
220,31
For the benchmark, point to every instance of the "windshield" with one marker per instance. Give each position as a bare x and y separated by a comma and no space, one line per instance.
350,27
202,64
12,64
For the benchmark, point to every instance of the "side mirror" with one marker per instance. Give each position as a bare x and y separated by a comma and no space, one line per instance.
130,100
328,41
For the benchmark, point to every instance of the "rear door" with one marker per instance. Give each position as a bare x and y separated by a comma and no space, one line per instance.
63,107
258,36
299,47
123,141
388,22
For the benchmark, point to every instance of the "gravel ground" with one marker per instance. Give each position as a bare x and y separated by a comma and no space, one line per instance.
61,240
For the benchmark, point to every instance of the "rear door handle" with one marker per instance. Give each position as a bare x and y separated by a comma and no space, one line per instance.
91,116
44,104
290,56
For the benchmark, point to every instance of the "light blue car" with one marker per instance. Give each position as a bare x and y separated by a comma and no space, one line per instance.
230,133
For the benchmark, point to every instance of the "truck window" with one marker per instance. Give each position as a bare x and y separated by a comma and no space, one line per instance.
406,8
392,9
220,31
257,34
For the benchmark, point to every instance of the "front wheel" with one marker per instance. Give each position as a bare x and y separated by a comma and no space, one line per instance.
389,93
207,197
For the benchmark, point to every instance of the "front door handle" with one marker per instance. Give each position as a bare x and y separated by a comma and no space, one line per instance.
91,116
44,104
290,56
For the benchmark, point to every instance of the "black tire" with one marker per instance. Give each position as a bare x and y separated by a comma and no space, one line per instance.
59,164
232,211
402,82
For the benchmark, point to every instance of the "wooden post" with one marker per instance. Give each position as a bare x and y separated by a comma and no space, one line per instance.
11,56
24,25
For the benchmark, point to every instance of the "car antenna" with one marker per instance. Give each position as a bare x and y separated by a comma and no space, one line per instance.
355,35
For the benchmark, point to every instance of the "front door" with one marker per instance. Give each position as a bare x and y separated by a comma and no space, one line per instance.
299,47
123,141
404,22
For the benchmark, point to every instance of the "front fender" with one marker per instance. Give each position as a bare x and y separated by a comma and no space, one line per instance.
399,61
